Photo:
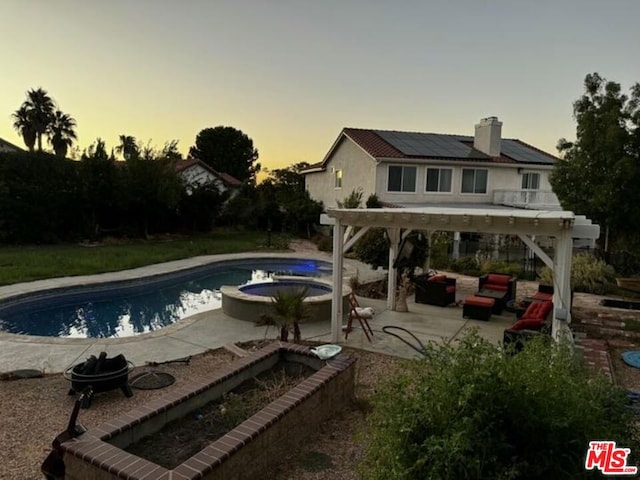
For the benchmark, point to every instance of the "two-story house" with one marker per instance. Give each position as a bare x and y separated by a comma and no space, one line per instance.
411,169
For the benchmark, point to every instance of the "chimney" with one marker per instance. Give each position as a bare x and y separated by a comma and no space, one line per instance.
488,136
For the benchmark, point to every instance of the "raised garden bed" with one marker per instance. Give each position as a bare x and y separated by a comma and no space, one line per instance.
185,437
248,450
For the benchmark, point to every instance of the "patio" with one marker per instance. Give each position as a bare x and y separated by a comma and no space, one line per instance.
427,322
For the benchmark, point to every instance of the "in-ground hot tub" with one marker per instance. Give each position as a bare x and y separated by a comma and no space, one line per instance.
249,302
247,451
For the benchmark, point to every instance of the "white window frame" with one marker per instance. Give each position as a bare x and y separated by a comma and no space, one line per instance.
475,170
337,179
529,175
439,191
403,167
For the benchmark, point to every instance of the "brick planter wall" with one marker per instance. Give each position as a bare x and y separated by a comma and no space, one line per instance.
247,451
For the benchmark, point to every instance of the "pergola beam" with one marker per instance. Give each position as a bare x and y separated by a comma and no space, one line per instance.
537,250
352,241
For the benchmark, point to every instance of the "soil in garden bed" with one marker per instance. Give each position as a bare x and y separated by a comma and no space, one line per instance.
183,438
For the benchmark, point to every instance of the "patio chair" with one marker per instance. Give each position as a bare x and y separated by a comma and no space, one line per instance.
503,287
437,290
545,292
361,314
534,321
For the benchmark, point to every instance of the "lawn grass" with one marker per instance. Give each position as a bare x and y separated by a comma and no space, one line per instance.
28,263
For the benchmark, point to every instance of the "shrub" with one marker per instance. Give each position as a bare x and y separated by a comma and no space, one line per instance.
466,265
473,411
352,200
514,269
588,274
323,242
373,201
373,248
439,251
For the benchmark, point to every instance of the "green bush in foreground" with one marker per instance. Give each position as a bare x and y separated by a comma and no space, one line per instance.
472,411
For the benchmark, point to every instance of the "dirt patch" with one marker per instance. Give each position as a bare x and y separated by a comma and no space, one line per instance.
183,438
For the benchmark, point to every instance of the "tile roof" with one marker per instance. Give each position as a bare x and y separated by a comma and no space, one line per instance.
229,179
390,144
372,143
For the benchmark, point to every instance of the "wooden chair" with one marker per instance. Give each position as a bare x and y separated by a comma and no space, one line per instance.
360,314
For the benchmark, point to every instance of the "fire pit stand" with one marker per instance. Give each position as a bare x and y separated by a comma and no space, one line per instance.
101,374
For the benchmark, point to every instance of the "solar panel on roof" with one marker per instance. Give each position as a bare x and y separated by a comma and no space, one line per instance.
524,154
429,145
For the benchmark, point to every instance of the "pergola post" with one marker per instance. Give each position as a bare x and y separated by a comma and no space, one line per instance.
562,285
394,240
336,300
455,252
495,247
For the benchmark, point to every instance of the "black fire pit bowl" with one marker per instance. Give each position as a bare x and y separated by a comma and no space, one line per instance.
101,374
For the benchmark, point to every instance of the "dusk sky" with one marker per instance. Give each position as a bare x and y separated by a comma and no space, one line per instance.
292,74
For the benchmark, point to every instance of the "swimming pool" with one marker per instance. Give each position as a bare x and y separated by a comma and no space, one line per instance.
123,309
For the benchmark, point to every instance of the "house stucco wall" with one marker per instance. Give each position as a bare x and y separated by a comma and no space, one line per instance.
499,177
358,171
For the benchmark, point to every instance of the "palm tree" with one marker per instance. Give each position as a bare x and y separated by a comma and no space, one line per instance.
128,147
62,132
24,126
41,108
289,310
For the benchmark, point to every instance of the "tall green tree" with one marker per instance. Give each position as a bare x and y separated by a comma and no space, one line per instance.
62,132
170,150
227,150
101,191
128,147
24,126
41,108
299,212
600,171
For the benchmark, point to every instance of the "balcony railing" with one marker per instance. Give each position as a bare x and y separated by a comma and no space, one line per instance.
530,199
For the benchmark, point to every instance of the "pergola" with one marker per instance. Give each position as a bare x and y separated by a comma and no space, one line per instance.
563,226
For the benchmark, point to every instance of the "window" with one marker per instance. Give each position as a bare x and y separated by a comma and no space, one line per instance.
401,179
531,181
337,179
438,180
474,180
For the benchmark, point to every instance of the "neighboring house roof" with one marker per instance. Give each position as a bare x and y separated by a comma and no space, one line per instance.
8,146
229,180
416,146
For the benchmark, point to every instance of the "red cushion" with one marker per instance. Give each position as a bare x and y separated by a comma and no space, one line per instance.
498,278
537,310
451,289
543,296
527,324
437,278
479,301
495,286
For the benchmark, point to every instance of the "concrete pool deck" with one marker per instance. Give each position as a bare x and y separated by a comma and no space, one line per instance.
214,329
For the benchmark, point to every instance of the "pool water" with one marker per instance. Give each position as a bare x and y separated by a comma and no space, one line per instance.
128,309
271,289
